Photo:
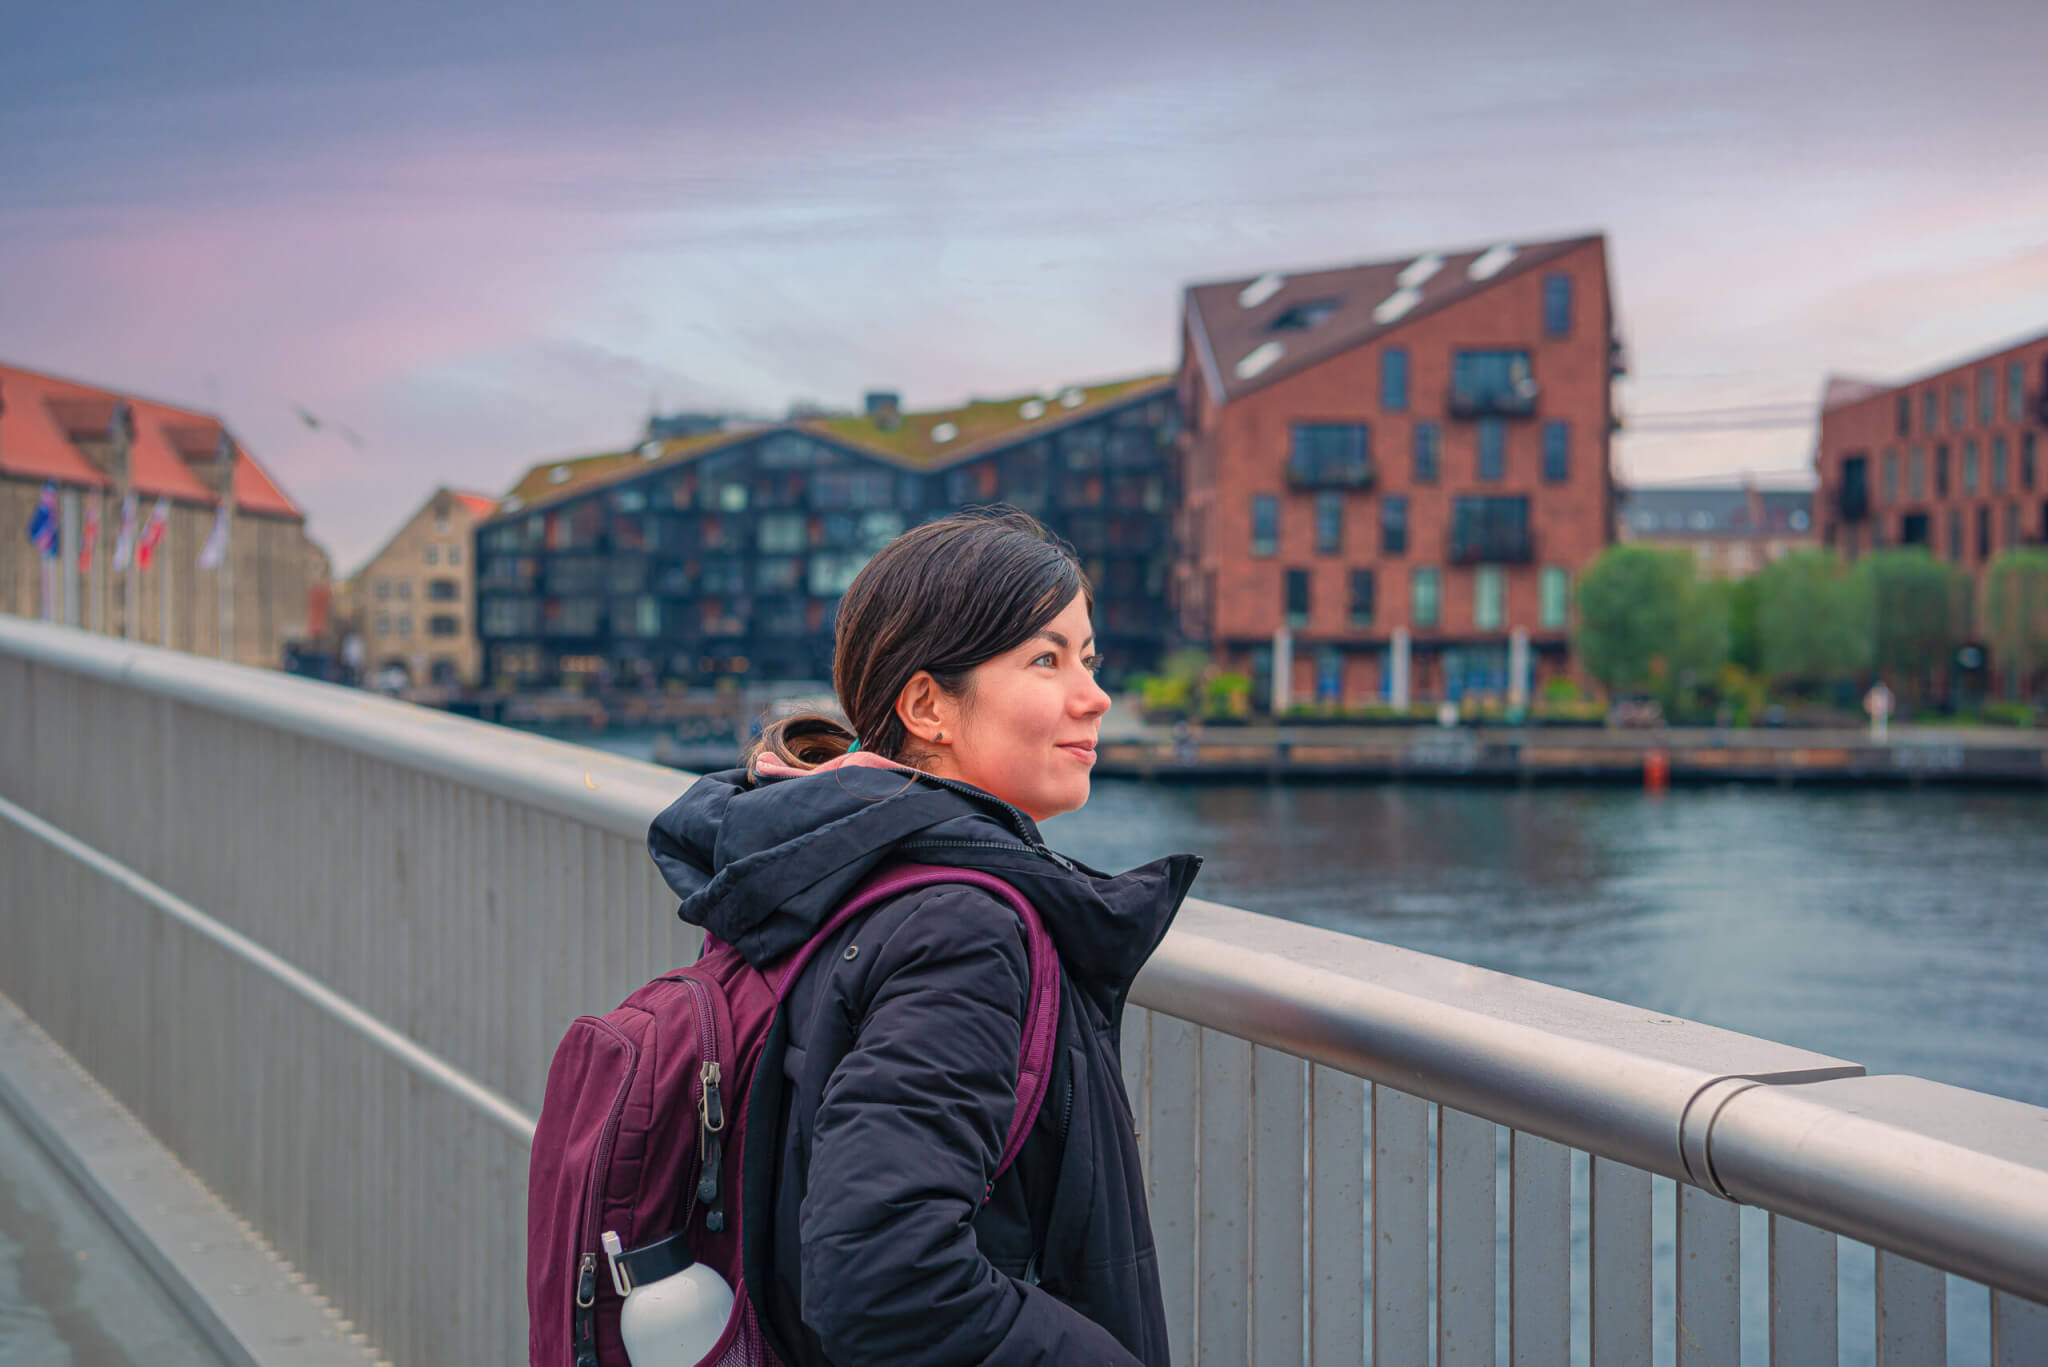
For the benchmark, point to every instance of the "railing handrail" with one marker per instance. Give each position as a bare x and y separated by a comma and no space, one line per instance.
1794,1131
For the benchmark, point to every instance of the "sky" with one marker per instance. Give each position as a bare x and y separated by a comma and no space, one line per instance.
485,236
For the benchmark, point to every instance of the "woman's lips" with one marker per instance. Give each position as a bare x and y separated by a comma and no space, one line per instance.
1083,750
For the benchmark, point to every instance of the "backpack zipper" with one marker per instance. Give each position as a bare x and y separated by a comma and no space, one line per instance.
585,1315
710,1114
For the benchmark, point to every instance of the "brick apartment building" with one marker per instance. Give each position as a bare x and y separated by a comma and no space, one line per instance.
1950,460
1412,451
1731,531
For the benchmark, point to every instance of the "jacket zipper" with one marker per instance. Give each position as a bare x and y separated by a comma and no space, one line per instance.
585,1327
937,844
1018,820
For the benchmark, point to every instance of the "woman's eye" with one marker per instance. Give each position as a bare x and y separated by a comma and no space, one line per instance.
1046,659
1093,664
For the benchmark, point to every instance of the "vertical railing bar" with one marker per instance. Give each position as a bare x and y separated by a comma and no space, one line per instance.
1400,1229
1912,1313
1619,1295
1466,1274
1539,1252
1709,1280
1804,1280
1337,1218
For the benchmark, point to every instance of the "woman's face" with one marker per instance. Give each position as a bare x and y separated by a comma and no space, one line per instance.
1024,728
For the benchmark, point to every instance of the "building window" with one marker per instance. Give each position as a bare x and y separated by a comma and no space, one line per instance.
1941,469
1557,451
2012,524
1998,464
1265,524
1394,525
1423,596
1556,587
383,624
1429,450
2015,390
783,534
432,555
405,590
442,624
1329,524
1916,473
1324,455
383,589
1362,589
1297,598
1955,534
1491,383
1958,408
1557,305
2026,460
405,624
1486,598
1490,530
1905,414
455,555
1394,379
1987,395
1969,465
1891,474
443,590
1493,443
1930,411
1983,531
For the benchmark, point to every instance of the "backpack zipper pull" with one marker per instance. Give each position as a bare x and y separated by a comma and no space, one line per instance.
586,1282
711,1148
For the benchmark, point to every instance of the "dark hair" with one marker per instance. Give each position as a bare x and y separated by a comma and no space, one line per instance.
943,597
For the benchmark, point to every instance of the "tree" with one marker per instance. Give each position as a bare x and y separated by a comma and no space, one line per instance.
1919,612
2016,606
1647,625
1813,620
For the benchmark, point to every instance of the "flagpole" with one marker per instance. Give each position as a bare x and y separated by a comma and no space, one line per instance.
163,590
67,568
96,583
121,432
226,454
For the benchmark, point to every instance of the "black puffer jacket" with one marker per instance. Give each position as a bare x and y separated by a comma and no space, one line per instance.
900,1075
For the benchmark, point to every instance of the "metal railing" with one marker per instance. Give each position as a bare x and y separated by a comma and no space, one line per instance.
323,944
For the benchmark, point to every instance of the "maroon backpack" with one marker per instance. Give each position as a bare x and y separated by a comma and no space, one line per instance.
643,1126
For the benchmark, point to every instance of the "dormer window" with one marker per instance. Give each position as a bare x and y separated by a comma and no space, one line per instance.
1302,317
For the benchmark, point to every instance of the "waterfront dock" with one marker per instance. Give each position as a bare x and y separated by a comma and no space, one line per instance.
1909,756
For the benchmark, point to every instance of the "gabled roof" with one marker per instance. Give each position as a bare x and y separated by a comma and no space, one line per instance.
478,506
914,443
43,418
1250,332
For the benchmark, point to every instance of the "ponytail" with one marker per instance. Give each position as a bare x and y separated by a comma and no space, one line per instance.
804,741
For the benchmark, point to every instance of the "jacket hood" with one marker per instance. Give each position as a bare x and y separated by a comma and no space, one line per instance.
763,861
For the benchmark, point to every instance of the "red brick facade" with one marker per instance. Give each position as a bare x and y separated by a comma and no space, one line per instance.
1952,460
1236,448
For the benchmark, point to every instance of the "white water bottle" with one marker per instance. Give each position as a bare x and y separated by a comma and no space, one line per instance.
676,1308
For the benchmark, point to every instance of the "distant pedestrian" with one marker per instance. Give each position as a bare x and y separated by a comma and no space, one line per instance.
1878,704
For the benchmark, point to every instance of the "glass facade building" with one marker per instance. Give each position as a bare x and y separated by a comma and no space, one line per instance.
727,554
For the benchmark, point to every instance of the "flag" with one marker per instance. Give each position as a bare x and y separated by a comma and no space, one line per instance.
124,541
152,532
215,551
89,535
43,528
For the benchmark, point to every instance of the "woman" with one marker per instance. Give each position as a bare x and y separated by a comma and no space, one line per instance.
965,661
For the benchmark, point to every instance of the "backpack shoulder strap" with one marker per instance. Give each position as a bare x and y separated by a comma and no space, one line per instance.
1042,1009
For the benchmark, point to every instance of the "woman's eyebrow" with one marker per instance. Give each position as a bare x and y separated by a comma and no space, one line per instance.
1058,639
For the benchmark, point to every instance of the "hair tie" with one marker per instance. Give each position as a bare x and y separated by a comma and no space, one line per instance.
853,747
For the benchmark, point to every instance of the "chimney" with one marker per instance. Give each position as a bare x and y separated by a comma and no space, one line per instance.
885,406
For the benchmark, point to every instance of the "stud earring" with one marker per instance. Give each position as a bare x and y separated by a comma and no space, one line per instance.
939,737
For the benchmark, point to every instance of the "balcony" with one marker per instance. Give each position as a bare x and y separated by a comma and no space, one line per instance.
1492,384
1329,474
1493,546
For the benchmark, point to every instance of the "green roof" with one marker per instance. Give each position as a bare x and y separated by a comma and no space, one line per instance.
914,441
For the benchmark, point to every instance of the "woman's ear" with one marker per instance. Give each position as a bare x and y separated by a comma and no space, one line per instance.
925,709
